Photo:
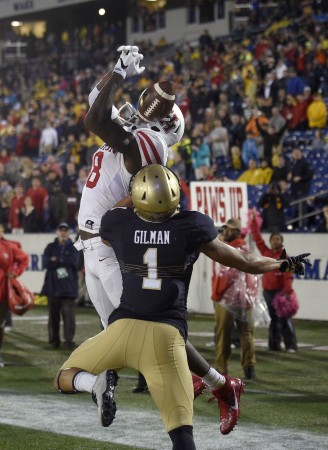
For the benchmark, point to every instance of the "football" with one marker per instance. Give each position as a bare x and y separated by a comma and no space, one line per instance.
156,101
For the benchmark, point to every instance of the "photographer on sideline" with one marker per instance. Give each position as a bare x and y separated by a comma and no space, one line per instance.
60,260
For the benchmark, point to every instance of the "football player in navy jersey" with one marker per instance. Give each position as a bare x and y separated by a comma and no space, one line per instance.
139,143
156,246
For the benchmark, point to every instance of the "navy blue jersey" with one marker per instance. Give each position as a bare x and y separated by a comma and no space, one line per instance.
156,261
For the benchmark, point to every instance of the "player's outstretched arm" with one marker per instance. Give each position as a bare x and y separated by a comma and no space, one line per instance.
251,262
100,119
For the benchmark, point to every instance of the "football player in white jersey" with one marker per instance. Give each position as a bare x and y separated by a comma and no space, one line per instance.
127,147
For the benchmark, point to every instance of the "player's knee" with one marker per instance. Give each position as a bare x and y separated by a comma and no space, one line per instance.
64,380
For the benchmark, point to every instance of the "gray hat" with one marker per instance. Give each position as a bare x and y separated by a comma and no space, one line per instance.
233,224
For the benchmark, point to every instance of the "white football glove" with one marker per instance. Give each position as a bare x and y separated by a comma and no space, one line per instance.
129,60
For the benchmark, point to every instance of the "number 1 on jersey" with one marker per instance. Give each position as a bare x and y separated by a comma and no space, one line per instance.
152,281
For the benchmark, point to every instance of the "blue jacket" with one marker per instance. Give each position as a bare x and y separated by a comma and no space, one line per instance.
201,157
249,151
61,279
295,86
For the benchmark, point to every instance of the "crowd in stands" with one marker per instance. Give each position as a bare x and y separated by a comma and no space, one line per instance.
240,99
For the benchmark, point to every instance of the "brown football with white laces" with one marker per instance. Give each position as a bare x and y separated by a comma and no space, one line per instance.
156,101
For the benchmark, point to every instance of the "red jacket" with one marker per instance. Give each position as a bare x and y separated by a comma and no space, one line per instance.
16,206
39,198
275,280
12,259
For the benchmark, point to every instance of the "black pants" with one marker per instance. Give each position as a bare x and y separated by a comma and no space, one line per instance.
3,315
9,319
58,307
280,327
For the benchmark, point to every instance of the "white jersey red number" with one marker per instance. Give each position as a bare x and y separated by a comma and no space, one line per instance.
108,180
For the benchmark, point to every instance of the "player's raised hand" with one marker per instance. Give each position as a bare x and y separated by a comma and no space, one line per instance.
129,60
294,264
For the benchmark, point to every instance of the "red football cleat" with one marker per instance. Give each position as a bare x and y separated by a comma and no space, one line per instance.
199,386
228,398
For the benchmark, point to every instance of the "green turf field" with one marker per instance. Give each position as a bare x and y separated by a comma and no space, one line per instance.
290,391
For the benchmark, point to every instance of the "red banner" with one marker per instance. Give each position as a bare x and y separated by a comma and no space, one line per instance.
220,200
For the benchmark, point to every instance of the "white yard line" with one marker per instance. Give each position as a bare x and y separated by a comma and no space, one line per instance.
141,429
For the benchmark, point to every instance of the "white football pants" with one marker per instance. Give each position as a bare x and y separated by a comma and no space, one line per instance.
102,276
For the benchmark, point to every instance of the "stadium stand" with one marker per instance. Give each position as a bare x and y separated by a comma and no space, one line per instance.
44,97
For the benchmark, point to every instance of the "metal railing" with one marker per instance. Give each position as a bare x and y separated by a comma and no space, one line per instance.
302,209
